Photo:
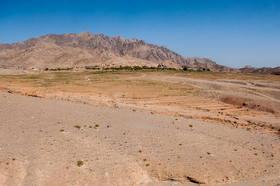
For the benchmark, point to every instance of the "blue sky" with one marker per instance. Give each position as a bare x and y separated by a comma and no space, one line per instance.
234,33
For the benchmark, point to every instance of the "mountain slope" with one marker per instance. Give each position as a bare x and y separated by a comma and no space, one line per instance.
86,49
263,70
204,63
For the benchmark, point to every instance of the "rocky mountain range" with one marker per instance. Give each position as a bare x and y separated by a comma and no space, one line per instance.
86,49
263,70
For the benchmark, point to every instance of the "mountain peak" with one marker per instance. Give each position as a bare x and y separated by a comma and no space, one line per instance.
248,66
84,33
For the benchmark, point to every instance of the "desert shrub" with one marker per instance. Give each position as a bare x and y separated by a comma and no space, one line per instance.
185,68
77,126
80,163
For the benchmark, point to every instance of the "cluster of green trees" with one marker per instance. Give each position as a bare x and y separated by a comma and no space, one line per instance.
128,68
92,67
57,69
200,70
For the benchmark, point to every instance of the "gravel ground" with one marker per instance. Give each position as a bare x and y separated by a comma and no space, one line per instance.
53,142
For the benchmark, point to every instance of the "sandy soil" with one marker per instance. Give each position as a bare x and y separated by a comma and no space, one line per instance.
145,129
41,146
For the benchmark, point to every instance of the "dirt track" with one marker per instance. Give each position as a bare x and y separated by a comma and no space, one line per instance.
41,146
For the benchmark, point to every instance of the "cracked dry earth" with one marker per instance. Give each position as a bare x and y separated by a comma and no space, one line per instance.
42,140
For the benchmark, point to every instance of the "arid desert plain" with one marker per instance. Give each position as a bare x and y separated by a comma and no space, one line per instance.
147,127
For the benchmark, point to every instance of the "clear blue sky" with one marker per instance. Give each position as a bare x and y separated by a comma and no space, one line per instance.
231,32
